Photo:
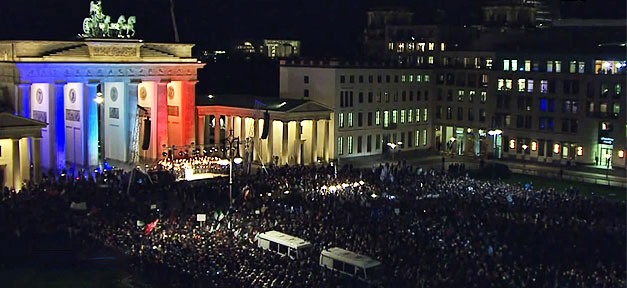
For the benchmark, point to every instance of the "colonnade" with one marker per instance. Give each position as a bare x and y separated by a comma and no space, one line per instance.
289,141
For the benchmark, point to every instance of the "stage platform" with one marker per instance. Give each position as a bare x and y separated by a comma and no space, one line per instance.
200,176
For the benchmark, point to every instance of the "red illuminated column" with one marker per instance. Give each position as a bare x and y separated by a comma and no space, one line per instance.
162,116
188,107
201,130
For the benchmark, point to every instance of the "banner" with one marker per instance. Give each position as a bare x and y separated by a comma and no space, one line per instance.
151,226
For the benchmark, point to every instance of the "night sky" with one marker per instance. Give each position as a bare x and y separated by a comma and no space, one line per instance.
326,27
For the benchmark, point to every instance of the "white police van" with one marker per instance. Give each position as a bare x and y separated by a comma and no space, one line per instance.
353,264
283,244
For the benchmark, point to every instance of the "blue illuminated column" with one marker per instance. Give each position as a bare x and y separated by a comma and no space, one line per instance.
57,108
90,125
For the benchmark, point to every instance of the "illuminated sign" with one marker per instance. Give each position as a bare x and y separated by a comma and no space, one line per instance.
606,140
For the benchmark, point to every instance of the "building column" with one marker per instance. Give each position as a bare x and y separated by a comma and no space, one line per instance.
23,103
132,102
162,117
90,125
216,130
229,125
17,178
285,152
24,160
257,141
270,142
314,141
188,105
325,142
37,160
56,127
242,135
201,131
297,142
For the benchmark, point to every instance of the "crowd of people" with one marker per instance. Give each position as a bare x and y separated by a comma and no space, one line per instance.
180,167
428,228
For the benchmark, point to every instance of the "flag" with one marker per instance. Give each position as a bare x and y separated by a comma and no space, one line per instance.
151,226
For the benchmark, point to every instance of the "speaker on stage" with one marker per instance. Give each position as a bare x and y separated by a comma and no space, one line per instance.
147,128
266,125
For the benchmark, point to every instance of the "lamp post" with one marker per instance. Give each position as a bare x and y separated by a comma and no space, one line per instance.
100,101
495,133
525,147
392,147
232,145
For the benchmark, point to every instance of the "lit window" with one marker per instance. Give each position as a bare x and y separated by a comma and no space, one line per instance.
386,118
410,114
421,47
430,59
350,144
424,115
621,154
350,119
573,66
544,86
442,47
411,77
426,77
410,46
377,118
558,66
340,120
506,65
424,137
403,78
514,64
400,48
403,116
530,86
521,85
508,84
488,63
582,67
616,108
418,78
484,96
603,107
340,145
501,84
431,46
417,115
460,95
556,148
391,46
512,144
618,88
527,65
549,66
394,116
579,151
534,145
417,138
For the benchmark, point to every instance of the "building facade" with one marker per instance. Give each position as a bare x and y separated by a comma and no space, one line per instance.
376,109
88,92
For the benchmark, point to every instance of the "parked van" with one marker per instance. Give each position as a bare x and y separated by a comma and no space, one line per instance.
283,244
353,264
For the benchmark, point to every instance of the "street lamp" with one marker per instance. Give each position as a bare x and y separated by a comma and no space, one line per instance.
524,147
495,133
100,101
232,143
392,147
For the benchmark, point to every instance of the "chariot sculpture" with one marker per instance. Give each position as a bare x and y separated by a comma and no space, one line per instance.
98,25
